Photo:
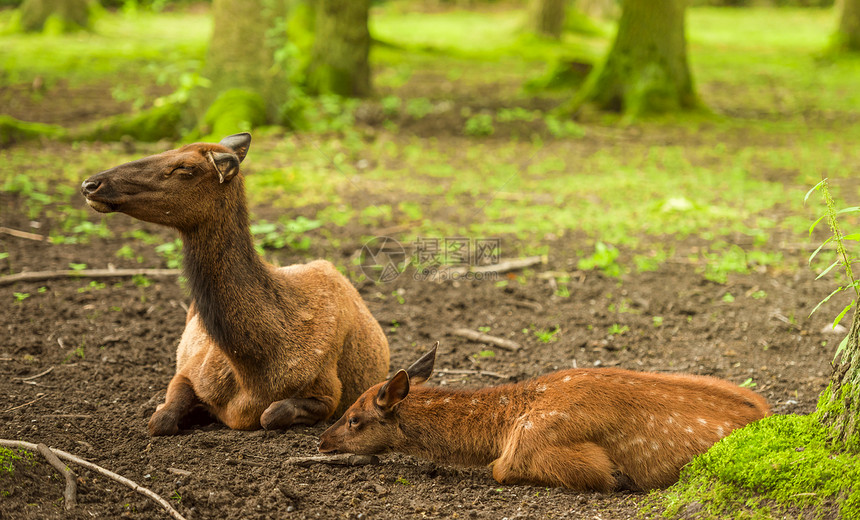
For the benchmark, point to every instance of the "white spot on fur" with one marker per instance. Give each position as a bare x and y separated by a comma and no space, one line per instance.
447,400
527,425
670,420
721,432
318,352
702,421
473,402
688,429
655,446
428,402
541,388
681,398
566,379
503,400
553,413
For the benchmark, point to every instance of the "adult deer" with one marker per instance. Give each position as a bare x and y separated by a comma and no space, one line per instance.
588,429
262,346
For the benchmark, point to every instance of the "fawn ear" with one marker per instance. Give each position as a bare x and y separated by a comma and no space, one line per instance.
393,391
422,369
239,143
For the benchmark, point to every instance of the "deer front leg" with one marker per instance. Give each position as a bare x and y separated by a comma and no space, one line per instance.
178,402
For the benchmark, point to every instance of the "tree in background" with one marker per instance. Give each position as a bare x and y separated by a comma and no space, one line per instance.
546,17
339,62
847,37
646,71
55,16
242,64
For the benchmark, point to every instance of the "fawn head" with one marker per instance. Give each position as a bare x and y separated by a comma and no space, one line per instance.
178,188
371,424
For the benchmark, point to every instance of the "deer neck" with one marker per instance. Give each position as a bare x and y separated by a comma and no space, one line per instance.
460,427
241,304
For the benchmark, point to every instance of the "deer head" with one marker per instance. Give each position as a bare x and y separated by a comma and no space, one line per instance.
178,188
370,425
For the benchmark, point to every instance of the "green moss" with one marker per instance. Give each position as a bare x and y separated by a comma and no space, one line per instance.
160,122
778,464
829,407
12,130
235,110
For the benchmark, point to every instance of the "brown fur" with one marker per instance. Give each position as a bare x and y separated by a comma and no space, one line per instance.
262,345
591,429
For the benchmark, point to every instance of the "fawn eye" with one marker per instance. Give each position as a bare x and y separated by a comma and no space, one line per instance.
353,421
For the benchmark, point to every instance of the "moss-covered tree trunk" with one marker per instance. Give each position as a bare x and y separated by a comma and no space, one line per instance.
55,15
547,17
242,56
646,71
847,37
339,63
839,406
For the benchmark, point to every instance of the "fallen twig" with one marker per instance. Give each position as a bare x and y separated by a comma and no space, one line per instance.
25,234
66,416
40,374
343,459
473,372
98,469
235,462
25,404
84,273
502,343
70,494
528,304
502,267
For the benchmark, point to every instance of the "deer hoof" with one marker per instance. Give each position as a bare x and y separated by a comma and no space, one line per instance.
279,415
162,423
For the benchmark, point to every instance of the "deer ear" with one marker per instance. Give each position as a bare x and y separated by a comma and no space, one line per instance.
422,369
393,391
225,163
239,143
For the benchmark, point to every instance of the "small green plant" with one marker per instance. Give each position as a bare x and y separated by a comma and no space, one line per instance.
77,267
176,496
484,329
749,383
394,326
604,258
728,298
758,295
485,354
479,125
417,108
657,321
547,335
402,481
617,330
20,296
7,457
141,281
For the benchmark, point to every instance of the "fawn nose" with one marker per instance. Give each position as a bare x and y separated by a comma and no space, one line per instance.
90,186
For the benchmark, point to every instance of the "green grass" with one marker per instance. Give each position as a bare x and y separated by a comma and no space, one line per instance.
161,46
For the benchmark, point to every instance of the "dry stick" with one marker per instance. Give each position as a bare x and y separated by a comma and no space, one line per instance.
98,469
455,371
502,267
85,273
23,405
485,338
343,459
24,234
70,495
40,374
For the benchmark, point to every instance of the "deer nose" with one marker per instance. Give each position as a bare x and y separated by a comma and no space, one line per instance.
90,186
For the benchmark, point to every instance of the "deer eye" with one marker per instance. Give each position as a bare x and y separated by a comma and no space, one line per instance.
182,170
353,421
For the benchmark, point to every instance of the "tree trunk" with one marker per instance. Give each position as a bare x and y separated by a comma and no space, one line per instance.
646,70
243,50
547,17
341,48
61,15
839,405
847,37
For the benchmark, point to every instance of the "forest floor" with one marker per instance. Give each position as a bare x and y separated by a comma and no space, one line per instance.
669,247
